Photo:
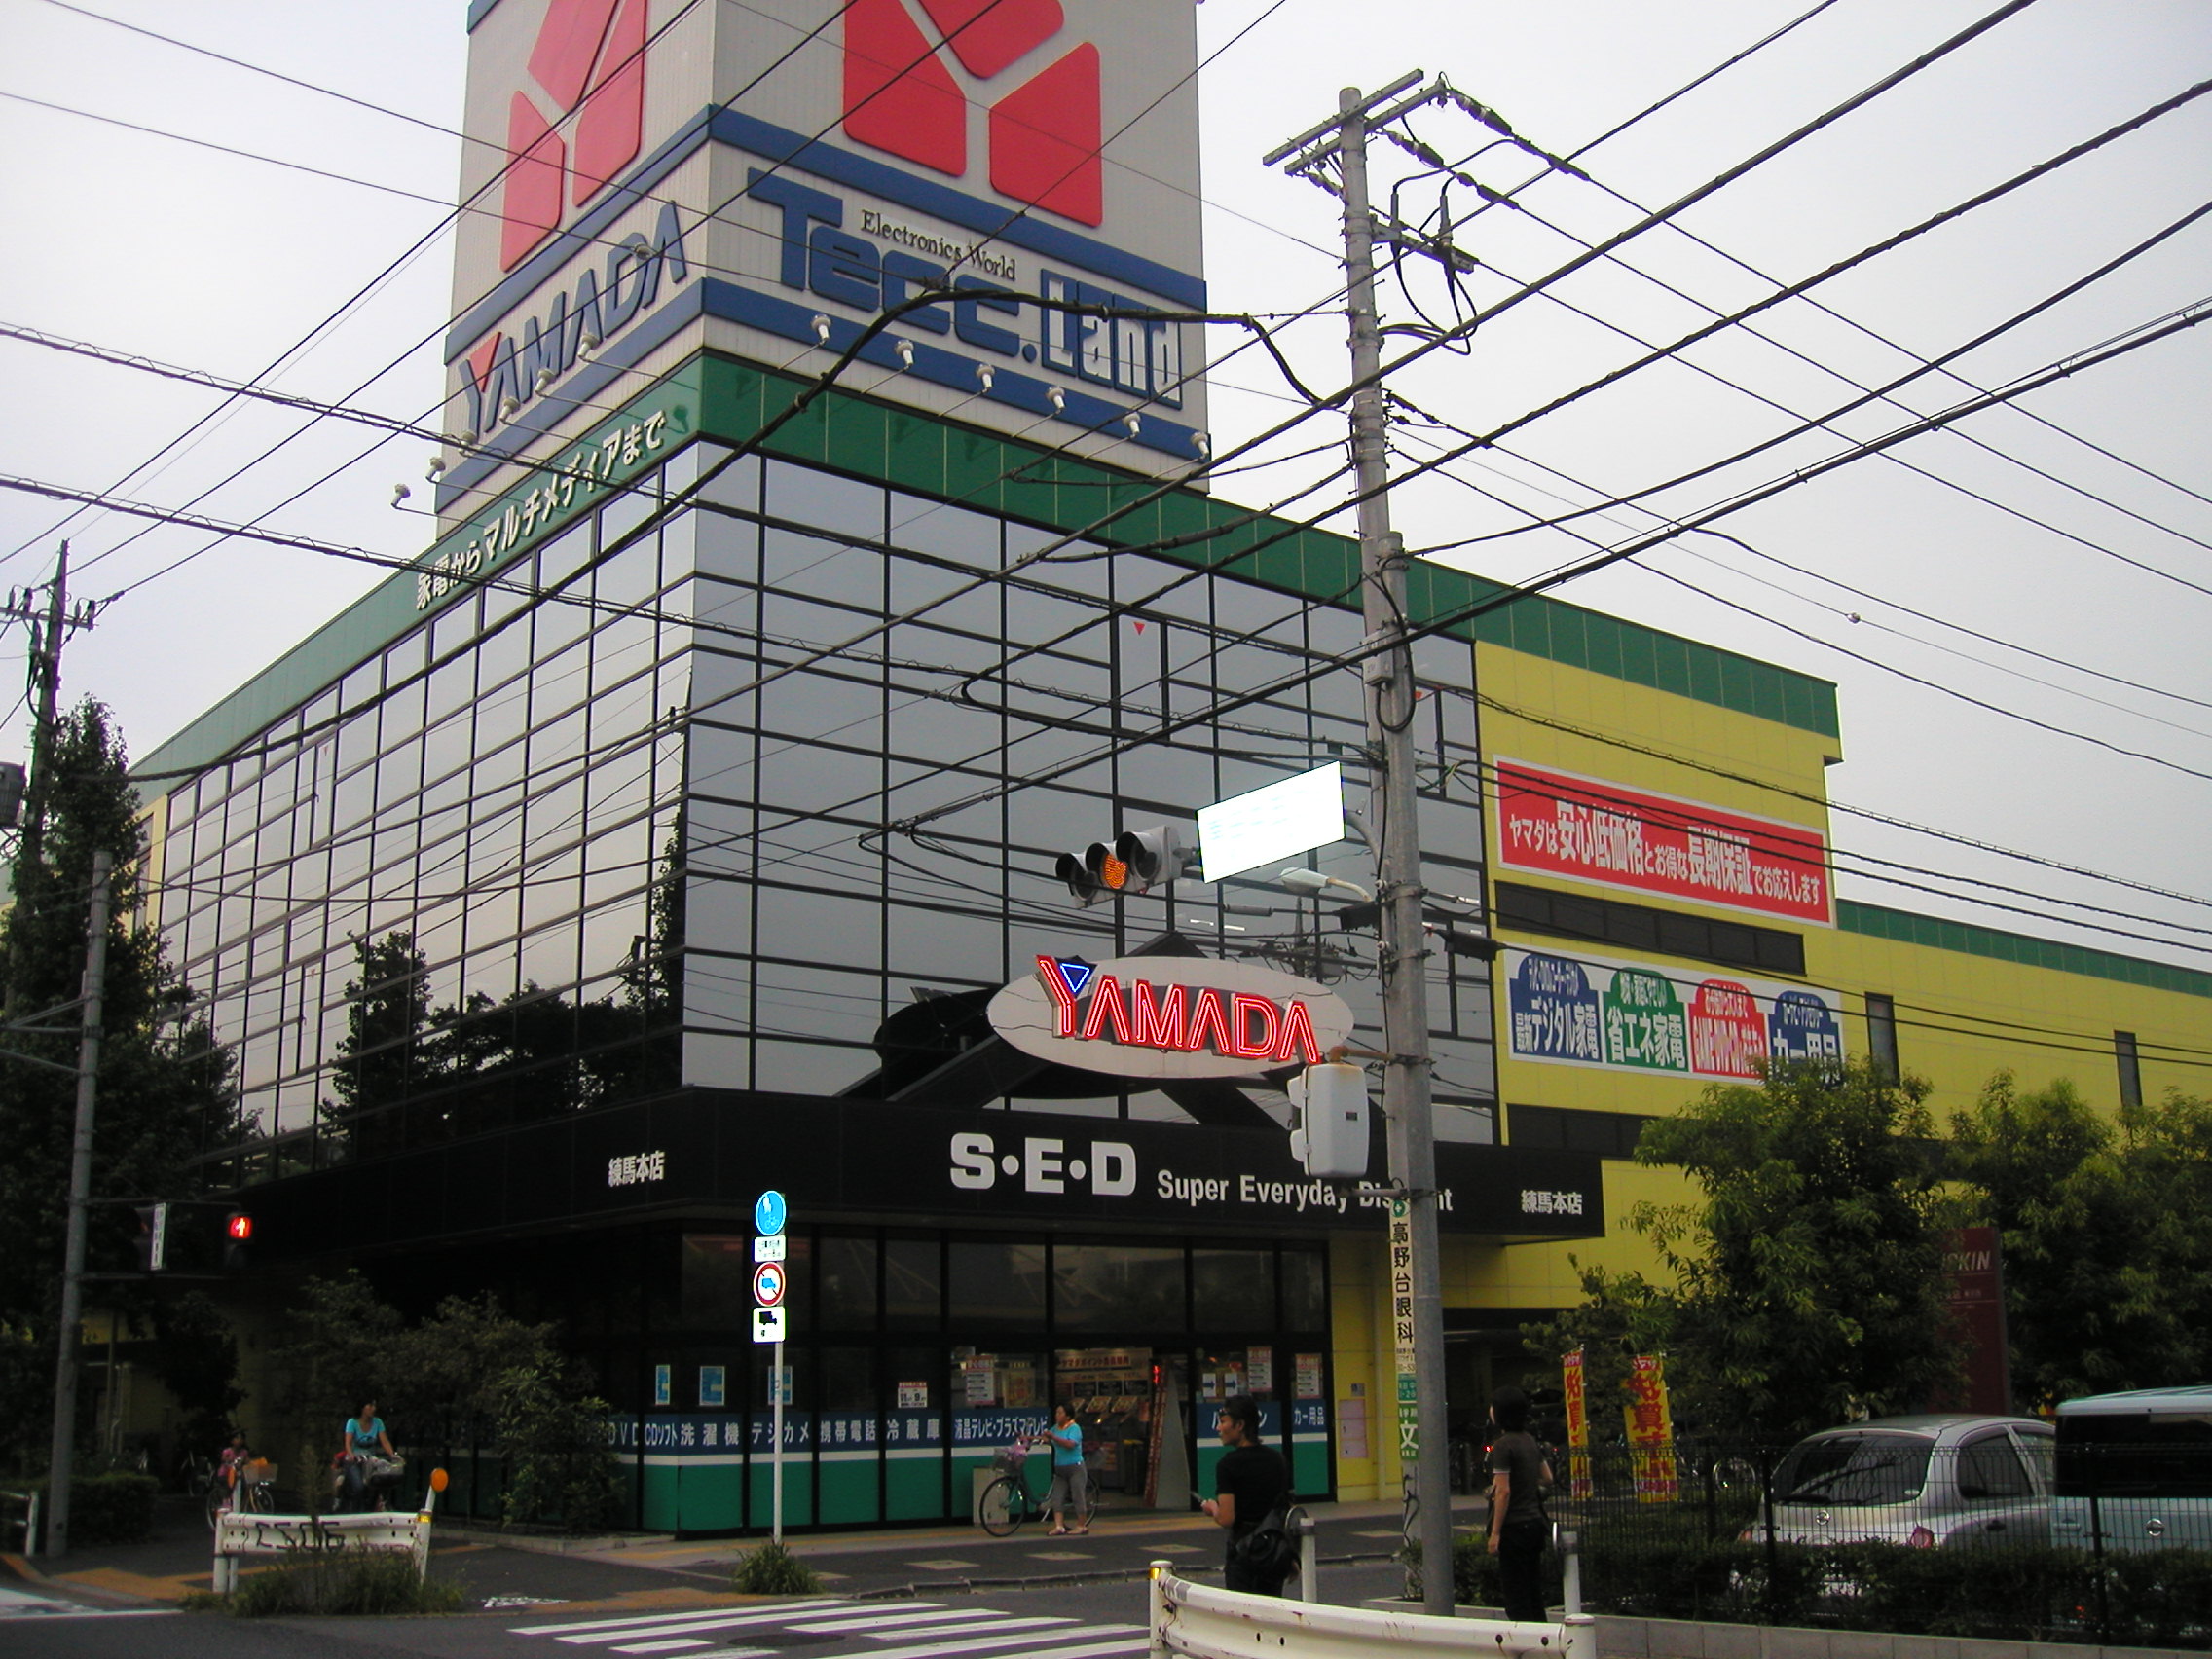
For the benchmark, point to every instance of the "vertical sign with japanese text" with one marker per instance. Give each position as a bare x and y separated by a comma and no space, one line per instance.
1650,1424
1577,1426
1402,1329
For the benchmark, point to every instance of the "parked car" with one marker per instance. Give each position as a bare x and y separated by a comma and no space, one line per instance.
2135,1470
1939,1478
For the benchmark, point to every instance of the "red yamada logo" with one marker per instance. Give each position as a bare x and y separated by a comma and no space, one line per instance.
588,64
1043,132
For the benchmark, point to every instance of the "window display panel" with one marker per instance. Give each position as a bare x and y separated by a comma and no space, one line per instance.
1109,1390
913,1430
847,1283
995,1283
913,1285
848,1435
997,1397
1305,1290
1231,1289
1104,1288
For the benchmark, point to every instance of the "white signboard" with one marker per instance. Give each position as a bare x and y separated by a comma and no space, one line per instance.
767,1324
1267,824
1169,1016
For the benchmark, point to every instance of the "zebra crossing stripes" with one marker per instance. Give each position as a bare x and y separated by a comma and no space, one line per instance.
25,1604
921,1630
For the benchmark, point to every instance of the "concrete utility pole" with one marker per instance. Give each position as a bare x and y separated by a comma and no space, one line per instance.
60,1463
1418,1295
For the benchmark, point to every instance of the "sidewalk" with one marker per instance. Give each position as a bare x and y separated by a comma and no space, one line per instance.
652,1571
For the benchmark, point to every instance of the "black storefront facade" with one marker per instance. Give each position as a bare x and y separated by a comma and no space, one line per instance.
952,1275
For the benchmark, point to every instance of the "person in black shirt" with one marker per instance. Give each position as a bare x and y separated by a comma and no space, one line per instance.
1251,1479
1518,1528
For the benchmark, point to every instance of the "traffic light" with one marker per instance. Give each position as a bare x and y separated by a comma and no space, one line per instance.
1328,1125
151,1242
1134,861
238,1237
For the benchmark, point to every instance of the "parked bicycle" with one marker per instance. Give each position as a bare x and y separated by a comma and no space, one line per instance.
1008,1505
242,1487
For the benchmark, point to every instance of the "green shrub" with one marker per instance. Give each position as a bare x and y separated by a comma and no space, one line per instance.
341,1582
773,1571
114,1508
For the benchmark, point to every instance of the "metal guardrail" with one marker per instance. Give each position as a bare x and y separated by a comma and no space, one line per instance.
298,1537
1200,1622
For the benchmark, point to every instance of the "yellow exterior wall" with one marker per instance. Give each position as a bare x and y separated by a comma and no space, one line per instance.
1961,1016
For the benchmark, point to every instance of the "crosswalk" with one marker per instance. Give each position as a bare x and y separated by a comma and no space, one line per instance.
24,1605
907,1630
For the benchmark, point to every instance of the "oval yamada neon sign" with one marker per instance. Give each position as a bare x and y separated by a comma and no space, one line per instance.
1169,1016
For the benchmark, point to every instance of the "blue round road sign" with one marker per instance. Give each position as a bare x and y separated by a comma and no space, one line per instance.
768,1212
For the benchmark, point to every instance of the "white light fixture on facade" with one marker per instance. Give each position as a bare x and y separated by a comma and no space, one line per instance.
820,328
986,374
1131,421
545,377
1058,398
436,467
1204,445
399,493
906,350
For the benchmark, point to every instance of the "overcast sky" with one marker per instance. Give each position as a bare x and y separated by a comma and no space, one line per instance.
2091,541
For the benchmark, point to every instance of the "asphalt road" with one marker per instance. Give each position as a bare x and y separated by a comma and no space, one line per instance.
931,1593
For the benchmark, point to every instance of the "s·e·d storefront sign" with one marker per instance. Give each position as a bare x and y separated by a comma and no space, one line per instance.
1169,1016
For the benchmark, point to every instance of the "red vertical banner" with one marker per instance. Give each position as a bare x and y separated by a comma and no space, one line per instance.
1577,1428
1974,1272
1650,1423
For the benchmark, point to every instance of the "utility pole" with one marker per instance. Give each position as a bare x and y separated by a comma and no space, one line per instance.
48,635
60,1463
1386,664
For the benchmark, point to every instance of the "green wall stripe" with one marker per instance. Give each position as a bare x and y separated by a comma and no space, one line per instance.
931,456
1938,933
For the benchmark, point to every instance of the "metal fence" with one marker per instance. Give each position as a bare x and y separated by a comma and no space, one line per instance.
1992,1538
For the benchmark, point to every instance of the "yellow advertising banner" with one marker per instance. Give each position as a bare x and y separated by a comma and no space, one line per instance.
1650,1431
1577,1428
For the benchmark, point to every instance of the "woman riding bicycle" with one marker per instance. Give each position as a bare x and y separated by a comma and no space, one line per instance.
365,1453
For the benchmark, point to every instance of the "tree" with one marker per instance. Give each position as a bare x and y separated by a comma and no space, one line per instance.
2105,1243
1807,1281
164,1092
469,1374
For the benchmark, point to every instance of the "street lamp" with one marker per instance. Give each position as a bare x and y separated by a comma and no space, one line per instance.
1311,881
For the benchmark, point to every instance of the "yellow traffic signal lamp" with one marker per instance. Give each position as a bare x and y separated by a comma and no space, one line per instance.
1135,861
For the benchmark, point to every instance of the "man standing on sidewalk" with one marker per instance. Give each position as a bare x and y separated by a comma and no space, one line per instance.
1251,1480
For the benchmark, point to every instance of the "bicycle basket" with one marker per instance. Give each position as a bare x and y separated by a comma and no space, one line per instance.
1010,1460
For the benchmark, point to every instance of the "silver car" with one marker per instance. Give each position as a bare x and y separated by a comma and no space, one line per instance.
1938,1478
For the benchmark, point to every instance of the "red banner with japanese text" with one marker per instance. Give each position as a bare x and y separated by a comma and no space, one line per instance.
1577,1428
1651,1426
1558,823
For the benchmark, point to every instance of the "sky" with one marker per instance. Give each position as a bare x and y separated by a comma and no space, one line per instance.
2052,698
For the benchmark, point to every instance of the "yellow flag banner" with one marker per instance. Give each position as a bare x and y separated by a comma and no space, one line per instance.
1577,1428
1650,1431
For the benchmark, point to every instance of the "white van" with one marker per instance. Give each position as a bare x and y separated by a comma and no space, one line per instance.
2135,1470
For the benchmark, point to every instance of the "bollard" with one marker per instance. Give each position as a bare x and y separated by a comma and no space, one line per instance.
1570,1571
1304,1529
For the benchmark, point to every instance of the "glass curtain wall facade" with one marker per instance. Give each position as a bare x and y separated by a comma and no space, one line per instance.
799,754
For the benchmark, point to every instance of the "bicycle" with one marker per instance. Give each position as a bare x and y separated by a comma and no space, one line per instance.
250,1496
1008,1505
